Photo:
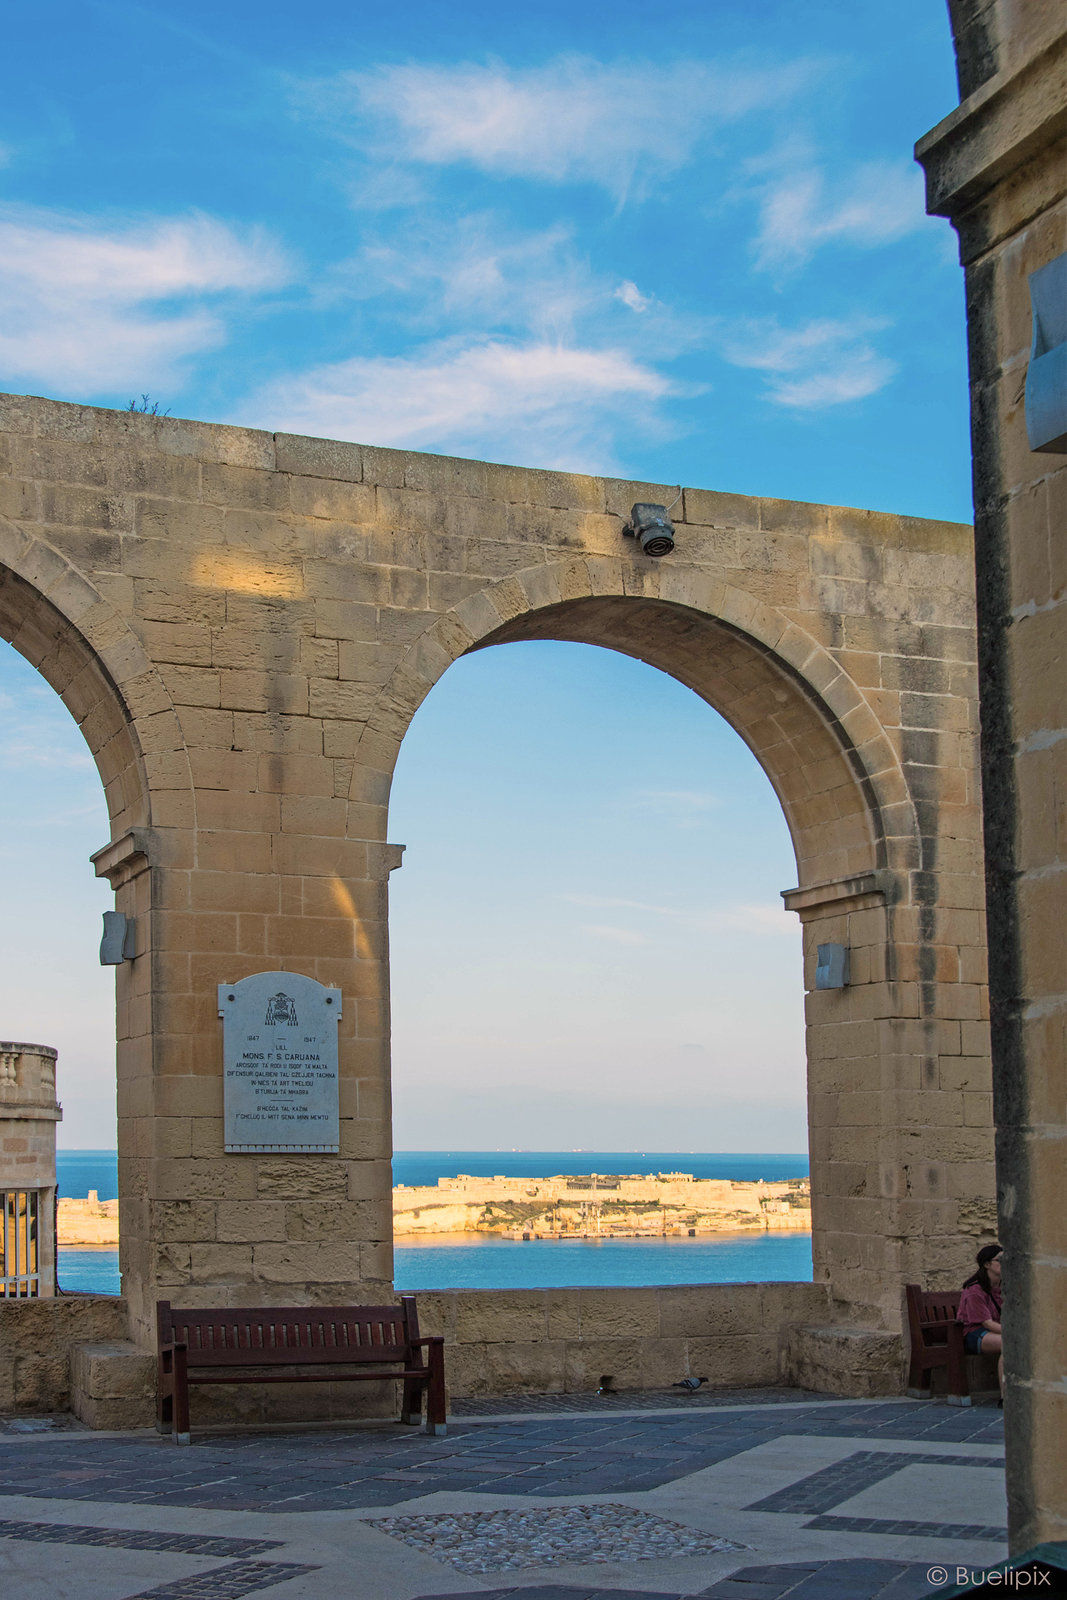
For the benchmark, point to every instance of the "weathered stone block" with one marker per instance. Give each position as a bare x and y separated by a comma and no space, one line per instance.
860,1362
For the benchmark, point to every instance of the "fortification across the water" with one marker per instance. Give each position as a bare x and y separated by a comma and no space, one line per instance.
615,1205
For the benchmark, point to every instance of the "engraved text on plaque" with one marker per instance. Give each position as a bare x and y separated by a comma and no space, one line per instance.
279,1043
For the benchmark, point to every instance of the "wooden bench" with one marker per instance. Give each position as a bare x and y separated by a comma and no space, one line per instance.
937,1341
275,1344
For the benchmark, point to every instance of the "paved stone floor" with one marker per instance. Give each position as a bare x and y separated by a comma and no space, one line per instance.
707,1495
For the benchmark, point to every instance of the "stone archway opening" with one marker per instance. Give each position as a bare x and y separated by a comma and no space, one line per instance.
589,953
852,828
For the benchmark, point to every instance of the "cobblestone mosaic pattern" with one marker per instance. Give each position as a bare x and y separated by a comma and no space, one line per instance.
503,1541
823,1490
187,1544
371,1467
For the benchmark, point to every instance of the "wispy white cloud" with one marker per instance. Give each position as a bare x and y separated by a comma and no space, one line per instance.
739,917
575,119
802,210
487,398
85,305
601,902
612,935
482,272
26,751
825,362
631,296
683,802
476,268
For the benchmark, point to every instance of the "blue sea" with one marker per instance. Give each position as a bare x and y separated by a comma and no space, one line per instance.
462,1261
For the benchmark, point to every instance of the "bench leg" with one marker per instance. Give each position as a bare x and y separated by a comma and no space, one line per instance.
181,1396
435,1392
165,1393
411,1402
959,1393
918,1379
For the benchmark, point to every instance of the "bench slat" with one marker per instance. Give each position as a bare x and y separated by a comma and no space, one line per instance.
319,1334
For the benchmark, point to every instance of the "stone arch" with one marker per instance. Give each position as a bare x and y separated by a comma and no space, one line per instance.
836,772
848,805
85,649
90,656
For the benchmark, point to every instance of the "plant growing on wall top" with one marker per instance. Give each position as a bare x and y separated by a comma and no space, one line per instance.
148,407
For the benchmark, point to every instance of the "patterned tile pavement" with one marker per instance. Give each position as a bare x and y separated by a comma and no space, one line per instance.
365,1468
627,1446
239,1578
227,1583
630,1400
795,1580
823,1490
186,1544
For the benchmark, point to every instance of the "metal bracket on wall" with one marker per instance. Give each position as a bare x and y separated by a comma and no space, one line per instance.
119,940
1046,376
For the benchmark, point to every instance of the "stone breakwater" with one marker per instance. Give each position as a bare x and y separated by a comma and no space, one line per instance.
601,1205
596,1205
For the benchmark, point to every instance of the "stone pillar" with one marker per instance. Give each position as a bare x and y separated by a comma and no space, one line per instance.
251,890
28,1116
997,168
898,1099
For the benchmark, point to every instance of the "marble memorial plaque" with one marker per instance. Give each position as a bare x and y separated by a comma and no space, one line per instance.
279,1045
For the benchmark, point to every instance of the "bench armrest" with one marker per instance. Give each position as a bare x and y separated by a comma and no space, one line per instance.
432,1338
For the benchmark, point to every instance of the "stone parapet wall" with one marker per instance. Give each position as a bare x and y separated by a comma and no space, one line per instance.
74,1352
37,1338
561,1341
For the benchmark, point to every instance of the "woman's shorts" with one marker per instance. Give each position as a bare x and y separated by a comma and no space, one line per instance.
972,1341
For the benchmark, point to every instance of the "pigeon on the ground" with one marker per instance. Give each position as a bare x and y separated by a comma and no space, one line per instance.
689,1383
606,1382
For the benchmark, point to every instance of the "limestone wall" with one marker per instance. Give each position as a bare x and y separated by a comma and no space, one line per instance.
37,1338
561,1341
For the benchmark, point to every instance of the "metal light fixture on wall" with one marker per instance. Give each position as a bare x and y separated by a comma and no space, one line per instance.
653,529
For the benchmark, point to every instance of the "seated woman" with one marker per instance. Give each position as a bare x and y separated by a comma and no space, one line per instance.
979,1310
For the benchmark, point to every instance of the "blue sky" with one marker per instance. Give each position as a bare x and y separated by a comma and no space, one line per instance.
683,243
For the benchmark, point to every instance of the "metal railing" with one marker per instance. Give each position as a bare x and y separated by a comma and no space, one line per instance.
20,1212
